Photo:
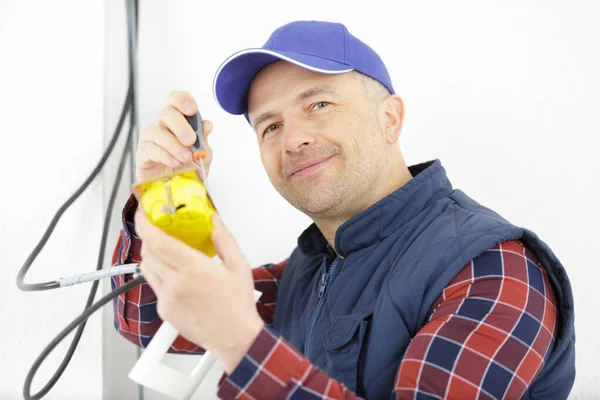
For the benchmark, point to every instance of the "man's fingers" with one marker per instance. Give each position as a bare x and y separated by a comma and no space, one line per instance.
150,153
161,135
175,121
183,101
226,246
207,128
152,261
152,277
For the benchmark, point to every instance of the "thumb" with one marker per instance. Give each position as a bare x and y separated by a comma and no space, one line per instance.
226,246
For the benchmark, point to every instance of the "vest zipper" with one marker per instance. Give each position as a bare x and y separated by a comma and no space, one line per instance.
325,277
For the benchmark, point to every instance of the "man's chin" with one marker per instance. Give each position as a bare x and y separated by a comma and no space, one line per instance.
315,207
312,196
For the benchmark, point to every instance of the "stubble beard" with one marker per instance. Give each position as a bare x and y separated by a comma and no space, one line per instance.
338,190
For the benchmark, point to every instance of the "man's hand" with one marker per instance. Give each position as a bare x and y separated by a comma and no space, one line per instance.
165,146
210,303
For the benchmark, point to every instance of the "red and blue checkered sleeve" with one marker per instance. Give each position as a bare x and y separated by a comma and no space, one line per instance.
136,316
489,334
273,369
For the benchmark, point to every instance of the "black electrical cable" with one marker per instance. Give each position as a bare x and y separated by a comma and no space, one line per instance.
28,287
89,309
80,322
27,387
131,8
38,248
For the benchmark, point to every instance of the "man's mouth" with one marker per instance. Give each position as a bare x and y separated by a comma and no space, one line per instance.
309,167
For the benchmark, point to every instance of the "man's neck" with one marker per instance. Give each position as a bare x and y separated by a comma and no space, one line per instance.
328,227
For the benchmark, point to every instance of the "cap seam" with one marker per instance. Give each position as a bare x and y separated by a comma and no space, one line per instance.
314,55
296,52
275,39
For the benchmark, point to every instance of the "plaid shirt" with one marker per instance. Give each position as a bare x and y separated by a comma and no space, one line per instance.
487,336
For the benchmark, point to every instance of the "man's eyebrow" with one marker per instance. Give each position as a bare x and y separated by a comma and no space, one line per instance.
262,118
315,91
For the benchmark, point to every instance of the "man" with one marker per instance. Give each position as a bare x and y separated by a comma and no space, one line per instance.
402,287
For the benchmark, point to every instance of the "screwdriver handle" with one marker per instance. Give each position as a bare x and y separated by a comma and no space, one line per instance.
195,122
198,149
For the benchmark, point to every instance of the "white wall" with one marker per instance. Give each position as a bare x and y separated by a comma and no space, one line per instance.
51,113
515,82
504,93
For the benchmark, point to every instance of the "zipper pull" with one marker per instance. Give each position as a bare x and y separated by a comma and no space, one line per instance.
323,284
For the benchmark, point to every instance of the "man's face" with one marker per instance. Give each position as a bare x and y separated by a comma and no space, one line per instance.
320,140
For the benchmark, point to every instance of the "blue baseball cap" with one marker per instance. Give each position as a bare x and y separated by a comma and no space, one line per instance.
323,47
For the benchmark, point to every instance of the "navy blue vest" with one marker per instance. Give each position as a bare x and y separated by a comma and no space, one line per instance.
354,316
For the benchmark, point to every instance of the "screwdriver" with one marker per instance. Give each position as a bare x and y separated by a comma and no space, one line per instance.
198,148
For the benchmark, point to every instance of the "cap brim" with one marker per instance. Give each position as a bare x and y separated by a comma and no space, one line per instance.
233,78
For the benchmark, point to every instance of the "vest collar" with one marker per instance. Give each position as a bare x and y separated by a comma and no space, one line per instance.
372,225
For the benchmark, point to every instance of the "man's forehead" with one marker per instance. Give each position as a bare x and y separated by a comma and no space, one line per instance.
272,85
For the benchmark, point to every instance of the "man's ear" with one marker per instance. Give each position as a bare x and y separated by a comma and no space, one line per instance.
393,117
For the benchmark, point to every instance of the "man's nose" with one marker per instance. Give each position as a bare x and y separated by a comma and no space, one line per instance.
297,135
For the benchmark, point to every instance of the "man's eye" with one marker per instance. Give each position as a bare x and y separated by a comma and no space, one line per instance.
270,128
320,105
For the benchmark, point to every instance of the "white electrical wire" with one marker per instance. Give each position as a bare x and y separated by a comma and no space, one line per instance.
97,275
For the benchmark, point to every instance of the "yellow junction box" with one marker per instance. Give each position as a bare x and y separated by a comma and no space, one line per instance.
179,204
